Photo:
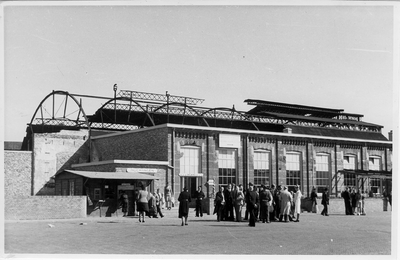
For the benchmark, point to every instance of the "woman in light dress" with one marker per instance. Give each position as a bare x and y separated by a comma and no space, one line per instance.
297,203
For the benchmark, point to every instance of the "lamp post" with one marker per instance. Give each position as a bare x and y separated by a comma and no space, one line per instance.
115,102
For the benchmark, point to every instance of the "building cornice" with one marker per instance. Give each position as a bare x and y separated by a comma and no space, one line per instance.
242,131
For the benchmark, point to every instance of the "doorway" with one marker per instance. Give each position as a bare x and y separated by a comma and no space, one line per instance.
191,183
130,191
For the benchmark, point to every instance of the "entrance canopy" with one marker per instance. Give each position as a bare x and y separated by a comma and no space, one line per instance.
369,174
114,175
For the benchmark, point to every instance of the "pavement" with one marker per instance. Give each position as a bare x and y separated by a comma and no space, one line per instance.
337,234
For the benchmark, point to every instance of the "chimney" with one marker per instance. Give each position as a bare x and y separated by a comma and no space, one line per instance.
391,135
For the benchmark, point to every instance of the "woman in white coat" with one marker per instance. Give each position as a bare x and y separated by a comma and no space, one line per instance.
297,202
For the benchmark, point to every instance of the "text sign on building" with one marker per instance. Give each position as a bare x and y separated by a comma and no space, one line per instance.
141,170
190,174
229,141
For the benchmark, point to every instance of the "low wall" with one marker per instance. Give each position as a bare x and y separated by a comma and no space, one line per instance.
336,205
45,207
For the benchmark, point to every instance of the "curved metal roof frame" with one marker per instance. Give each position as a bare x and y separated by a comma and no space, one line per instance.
185,106
233,111
60,92
130,100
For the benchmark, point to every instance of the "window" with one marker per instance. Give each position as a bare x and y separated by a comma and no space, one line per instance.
375,165
96,195
190,161
292,169
261,168
349,163
71,188
323,175
227,167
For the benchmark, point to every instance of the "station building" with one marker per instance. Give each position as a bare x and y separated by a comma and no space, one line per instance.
170,141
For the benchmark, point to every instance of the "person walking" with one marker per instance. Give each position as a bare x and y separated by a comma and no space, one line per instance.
347,204
142,202
124,202
251,202
184,200
265,201
297,203
219,204
325,202
199,195
286,199
239,201
158,197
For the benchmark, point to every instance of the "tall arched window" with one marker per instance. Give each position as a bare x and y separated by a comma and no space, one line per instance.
261,167
350,163
293,166
323,175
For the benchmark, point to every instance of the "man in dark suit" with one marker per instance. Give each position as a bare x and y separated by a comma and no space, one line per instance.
347,205
265,202
325,202
251,202
199,195
229,203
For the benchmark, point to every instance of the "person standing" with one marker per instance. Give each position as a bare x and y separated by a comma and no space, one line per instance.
346,198
277,207
265,201
286,201
124,202
314,197
251,202
297,203
229,203
168,197
158,196
272,215
239,201
353,199
184,200
143,203
219,204
199,195
325,202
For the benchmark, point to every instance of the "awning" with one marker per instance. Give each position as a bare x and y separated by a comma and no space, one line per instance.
114,175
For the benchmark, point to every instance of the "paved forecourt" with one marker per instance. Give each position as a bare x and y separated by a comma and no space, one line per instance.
337,234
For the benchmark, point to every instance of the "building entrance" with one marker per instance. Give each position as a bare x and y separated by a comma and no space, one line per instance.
191,183
130,191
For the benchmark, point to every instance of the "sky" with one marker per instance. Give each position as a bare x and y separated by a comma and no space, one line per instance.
333,56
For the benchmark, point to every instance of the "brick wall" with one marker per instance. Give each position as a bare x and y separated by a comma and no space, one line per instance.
143,144
54,152
17,174
45,207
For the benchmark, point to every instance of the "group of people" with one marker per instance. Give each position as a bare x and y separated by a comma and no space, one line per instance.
265,204
353,201
147,203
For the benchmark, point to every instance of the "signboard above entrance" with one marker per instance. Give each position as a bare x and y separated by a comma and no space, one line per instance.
142,170
190,174
229,141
